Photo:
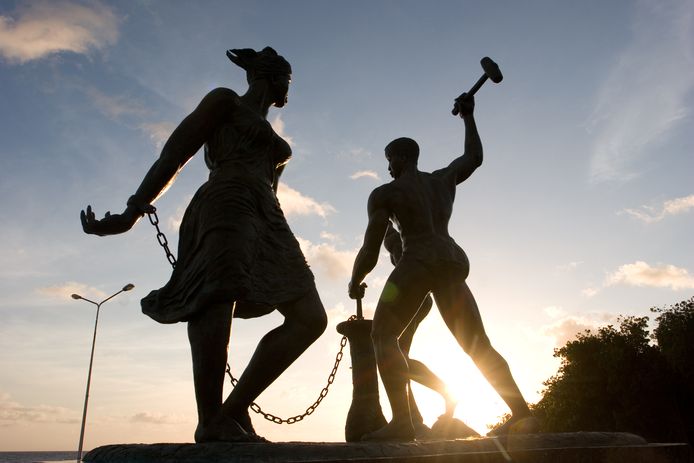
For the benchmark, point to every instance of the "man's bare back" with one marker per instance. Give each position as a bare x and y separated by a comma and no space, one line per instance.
421,205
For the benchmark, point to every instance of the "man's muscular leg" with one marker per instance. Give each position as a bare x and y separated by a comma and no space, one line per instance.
398,304
461,314
304,321
418,371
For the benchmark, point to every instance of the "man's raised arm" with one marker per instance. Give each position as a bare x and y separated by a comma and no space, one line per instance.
471,159
367,257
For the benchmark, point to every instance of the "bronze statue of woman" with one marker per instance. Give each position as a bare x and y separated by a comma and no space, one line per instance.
237,256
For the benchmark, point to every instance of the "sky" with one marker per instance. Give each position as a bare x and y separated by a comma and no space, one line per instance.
582,211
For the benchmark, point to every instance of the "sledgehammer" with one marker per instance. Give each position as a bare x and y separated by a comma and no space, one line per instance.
491,71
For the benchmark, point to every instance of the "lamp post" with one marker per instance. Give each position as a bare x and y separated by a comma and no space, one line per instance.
98,305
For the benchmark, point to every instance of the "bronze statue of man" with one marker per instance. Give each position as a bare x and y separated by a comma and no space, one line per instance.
420,204
237,256
417,370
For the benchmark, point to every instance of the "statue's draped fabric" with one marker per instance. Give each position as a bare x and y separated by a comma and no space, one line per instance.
235,243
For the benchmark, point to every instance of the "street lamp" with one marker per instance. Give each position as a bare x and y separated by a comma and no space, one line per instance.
127,287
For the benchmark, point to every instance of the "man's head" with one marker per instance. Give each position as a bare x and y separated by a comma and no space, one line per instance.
400,153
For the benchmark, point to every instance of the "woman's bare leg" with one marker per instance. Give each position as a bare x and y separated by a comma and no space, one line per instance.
305,320
208,334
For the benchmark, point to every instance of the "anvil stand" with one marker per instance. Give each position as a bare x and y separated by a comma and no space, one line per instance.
365,414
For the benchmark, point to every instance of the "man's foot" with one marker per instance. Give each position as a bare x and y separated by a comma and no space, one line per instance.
522,425
421,431
447,427
224,430
392,432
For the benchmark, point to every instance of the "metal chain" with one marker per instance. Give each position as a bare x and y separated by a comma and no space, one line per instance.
164,243
161,238
324,392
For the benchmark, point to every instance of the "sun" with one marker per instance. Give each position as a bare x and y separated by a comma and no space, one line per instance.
478,403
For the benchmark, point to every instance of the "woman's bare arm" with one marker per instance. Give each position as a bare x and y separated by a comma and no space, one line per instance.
184,142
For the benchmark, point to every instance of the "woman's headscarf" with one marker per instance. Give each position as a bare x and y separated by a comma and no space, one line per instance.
264,63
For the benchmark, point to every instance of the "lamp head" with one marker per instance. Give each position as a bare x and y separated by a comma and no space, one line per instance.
128,287
76,296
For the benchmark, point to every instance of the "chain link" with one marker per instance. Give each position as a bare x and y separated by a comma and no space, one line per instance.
164,243
324,392
161,237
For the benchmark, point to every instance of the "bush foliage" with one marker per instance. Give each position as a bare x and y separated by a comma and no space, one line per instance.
621,378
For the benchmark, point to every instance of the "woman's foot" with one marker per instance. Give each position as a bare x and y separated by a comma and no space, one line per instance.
244,419
224,430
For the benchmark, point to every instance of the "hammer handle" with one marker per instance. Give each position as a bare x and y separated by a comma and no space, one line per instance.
360,314
472,91
478,84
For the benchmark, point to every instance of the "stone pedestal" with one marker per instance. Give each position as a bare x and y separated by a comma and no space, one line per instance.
365,414
586,447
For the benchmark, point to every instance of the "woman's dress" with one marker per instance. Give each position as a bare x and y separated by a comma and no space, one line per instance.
235,243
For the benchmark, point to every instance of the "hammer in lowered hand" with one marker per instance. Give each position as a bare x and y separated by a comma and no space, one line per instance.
491,71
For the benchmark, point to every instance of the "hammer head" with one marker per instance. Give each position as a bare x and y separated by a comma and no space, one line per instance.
491,69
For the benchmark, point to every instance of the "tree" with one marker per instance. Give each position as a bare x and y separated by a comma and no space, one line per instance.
616,380
674,335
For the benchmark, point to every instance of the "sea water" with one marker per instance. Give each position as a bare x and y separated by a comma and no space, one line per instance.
37,457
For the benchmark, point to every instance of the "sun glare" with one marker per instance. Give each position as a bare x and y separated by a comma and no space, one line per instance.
478,404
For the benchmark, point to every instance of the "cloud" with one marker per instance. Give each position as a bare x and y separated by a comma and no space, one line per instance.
338,313
644,95
114,107
41,28
650,214
13,412
278,126
365,173
355,153
294,203
333,263
642,274
590,292
554,311
64,291
158,132
156,418
569,266
330,237
174,222
566,327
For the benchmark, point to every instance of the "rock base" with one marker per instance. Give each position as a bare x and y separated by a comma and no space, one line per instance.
583,447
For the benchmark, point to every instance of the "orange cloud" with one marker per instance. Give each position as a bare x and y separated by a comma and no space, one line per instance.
46,27
661,276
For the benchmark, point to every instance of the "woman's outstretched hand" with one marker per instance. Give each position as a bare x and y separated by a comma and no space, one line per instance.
111,224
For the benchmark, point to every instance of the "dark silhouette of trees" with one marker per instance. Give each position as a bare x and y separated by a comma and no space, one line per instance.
674,335
622,379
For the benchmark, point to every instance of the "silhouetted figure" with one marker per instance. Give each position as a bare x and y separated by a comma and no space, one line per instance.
420,204
237,256
417,371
